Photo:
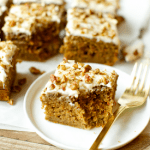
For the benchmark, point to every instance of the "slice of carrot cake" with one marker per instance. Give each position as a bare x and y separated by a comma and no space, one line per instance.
79,96
8,54
35,25
91,37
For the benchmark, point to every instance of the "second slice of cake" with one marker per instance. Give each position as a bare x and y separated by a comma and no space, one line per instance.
35,28
79,96
91,37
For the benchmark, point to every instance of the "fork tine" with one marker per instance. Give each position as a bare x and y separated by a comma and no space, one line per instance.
138,78
147,86
143,78
133,75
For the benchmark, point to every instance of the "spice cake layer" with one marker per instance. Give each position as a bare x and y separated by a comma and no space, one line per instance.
8,54
91,37
39,51
79,96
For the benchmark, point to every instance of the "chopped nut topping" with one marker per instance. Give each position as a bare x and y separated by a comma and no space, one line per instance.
63,79
52,78
12,23
82,73
96,71
102,73
62,67
22,81
52,86
87,68
63,86
88,79
36,71
113,72
100,81
11,101
105,81
77,73
58,67
80,64
81,76
74,85
102,26
136,52
75,66
58,80
16,89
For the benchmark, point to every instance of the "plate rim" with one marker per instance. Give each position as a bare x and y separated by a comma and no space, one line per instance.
60,145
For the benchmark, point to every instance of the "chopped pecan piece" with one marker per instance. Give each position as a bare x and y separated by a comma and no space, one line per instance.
87,68
63,79
135,52
63,86
100,81
58,67
36,71
12,23
96,71
74,85
52,78
80,64
88,79
62,67
52,86
58,80
75,66
22,81
105,81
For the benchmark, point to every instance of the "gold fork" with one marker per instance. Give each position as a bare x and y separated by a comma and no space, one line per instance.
135,95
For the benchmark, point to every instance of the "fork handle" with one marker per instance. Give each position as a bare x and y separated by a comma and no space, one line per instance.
104,131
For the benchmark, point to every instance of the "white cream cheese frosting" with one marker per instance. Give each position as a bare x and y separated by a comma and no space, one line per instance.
77,77
25,18
84,23
58,2
26,26
3,74
25,1
7,51
106,6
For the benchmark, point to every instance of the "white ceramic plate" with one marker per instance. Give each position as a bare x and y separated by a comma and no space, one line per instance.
128,126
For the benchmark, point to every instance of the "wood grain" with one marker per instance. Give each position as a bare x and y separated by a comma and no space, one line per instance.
19,140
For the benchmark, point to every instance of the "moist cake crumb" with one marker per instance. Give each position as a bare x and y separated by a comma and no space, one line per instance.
79,95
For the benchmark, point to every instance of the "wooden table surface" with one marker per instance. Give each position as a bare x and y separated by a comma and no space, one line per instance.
20,140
